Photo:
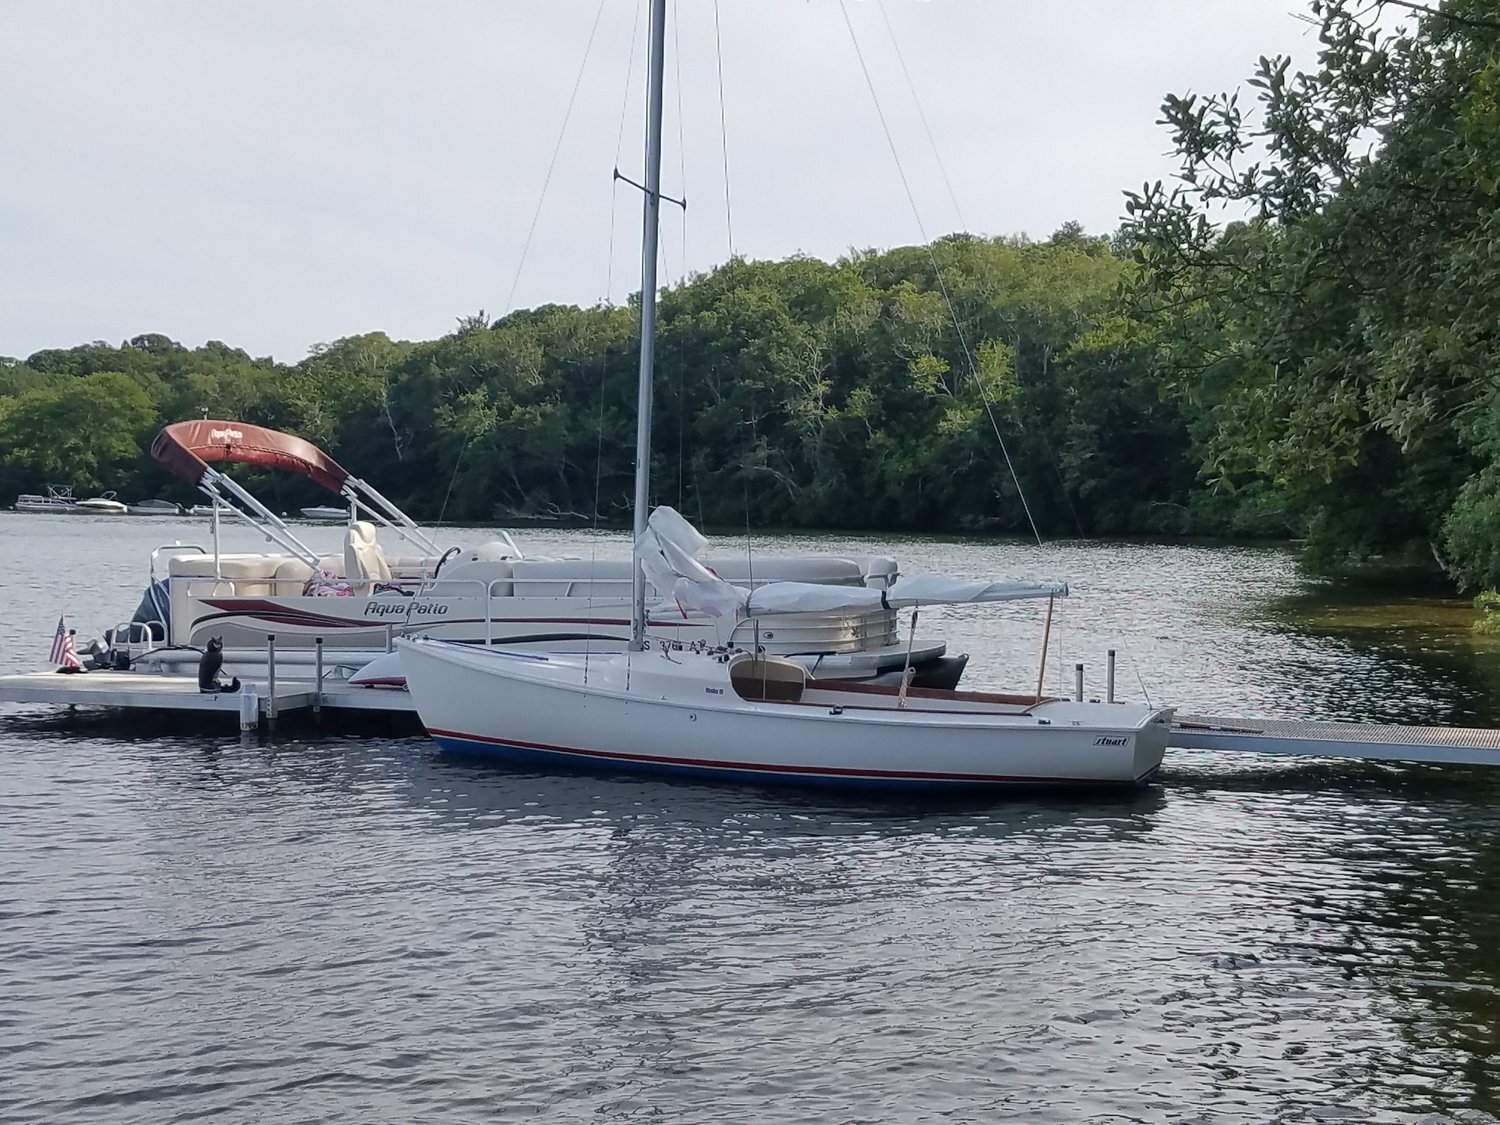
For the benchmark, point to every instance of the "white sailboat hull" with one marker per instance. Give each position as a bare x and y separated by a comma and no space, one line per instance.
646,712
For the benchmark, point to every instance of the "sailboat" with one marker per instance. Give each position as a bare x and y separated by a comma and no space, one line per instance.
733,714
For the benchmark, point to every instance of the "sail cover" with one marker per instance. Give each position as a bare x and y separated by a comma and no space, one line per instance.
916,590
185,448
666,551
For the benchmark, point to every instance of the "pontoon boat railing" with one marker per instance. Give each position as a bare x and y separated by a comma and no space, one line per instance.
174,547
810,633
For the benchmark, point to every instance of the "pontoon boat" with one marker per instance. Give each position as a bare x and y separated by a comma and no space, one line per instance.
357,602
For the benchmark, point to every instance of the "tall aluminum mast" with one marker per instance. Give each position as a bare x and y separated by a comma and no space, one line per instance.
649,226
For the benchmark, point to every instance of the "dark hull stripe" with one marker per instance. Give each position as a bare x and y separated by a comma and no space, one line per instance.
258,609
517,750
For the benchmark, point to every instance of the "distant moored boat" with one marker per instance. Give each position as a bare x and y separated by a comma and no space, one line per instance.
155,508
58,498
106,505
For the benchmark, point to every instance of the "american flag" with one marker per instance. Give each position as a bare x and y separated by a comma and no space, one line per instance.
62,647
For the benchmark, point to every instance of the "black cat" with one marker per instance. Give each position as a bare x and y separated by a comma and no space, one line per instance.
208,668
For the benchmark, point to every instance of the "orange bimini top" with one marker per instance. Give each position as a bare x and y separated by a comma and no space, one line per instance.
186,448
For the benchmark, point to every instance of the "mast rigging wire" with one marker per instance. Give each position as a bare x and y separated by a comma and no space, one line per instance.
937,157
552,164
682,247
609,285
938,271
921,113
723,131
635,32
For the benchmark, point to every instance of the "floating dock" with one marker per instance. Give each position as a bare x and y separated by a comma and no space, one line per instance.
1378,742
255,702
264,702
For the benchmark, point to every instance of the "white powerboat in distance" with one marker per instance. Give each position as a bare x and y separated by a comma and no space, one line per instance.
107,504
155,508
359,600
325,514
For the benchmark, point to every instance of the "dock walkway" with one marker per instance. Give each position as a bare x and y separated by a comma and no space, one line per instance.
1381,742
256,703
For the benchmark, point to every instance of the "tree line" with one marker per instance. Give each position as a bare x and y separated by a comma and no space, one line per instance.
798,393
1321,368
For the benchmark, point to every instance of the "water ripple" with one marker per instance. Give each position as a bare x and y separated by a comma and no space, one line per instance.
355,930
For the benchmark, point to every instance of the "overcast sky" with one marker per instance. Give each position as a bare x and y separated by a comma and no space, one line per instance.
277,174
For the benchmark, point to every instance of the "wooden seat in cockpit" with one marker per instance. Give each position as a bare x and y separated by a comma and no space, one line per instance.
767,679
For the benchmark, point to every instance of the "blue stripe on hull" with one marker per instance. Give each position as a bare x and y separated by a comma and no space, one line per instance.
495,750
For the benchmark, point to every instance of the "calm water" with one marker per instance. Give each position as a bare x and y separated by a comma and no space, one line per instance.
352,929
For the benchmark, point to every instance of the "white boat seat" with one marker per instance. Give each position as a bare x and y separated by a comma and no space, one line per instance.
786,568
229,576
364,561
881,571
495,550
291,578
227,566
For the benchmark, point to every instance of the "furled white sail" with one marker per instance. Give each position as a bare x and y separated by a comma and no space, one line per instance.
934,589
669,543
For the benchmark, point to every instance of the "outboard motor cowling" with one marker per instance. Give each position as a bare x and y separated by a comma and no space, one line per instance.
154,614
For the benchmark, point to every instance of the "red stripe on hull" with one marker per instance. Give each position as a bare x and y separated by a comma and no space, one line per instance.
289,615
759,767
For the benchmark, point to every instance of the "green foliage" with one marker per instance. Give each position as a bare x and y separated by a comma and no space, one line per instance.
77,433
858,393
1321,367
1339,342
1488,605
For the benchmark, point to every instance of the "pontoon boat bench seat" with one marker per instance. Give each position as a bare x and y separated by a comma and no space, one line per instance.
238,575
364,561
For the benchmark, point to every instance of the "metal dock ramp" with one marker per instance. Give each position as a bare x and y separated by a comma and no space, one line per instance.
1381,742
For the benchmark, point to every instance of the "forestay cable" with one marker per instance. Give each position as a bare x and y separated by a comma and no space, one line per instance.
552,164
922,113
723,130
682,247
609,284
938,271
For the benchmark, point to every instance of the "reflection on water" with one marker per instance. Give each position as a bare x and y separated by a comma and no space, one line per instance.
348,929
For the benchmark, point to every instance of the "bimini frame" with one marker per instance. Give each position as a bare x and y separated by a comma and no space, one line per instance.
186,449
